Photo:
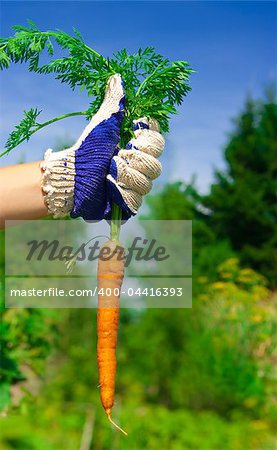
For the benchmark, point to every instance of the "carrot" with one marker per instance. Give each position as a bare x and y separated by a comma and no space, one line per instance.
110,277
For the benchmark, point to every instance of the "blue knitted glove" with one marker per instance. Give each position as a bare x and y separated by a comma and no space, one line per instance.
133,169
74,180
86,178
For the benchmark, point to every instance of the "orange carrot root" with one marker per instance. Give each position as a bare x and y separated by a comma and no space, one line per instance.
110,277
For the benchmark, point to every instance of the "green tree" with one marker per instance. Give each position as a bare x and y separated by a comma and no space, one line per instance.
180,201
243,199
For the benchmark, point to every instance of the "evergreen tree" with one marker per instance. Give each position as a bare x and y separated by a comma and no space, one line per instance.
243,200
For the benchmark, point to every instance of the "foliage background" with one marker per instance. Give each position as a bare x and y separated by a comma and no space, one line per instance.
213,383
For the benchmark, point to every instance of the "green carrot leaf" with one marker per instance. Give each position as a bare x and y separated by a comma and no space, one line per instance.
23,130
154,86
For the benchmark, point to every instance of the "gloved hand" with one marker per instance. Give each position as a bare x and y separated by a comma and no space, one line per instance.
132,170
76,180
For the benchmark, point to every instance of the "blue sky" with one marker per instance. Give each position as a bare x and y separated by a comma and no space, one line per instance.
231,45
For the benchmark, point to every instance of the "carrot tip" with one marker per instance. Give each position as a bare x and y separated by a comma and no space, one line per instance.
115,425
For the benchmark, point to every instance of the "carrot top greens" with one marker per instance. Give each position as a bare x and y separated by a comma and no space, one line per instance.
154,86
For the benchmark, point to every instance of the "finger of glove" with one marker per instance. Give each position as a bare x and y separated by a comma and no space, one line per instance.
127,198
131,178
113,103
148,141
144,123
144,163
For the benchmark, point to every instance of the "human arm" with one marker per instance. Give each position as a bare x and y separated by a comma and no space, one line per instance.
86,178
21,196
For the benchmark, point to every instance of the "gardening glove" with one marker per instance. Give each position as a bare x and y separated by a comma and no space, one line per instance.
133,169
74,180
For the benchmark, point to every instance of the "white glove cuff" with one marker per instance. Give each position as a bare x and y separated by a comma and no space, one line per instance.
58,181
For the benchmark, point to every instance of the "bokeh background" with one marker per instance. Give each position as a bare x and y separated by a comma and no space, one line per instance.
202,378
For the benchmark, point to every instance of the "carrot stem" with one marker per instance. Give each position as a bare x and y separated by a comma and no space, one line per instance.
115,222
116,210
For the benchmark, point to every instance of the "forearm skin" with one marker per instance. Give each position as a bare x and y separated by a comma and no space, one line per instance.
21,197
